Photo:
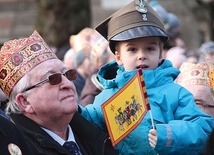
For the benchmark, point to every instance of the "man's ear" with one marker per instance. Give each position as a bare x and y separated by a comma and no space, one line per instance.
118,59
23,103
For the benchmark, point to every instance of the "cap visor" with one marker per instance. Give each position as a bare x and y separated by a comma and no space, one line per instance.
139,32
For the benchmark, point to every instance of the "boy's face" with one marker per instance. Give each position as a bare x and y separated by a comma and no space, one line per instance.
139,53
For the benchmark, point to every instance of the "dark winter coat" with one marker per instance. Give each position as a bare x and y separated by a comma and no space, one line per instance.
12,141
90,139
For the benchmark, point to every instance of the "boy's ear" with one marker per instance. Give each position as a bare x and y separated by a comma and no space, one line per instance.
23,103
117,58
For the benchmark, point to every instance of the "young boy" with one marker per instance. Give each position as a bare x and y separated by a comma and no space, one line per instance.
136,36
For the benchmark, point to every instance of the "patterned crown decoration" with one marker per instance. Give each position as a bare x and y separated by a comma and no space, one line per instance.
19,56
197,74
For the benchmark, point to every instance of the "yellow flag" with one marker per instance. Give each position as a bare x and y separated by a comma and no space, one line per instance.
126,109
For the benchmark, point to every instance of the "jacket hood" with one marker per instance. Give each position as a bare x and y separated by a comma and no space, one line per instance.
112,74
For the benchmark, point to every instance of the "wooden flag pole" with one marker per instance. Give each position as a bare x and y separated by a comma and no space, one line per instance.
153,125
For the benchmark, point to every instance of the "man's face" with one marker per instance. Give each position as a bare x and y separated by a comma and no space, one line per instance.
51,103
203,97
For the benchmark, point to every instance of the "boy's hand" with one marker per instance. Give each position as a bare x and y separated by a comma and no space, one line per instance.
152,137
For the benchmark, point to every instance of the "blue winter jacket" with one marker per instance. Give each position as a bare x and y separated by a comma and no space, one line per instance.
182,128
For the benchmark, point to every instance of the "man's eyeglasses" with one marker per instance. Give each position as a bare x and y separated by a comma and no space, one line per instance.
56,78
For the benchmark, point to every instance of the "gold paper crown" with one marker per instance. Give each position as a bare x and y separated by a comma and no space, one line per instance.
197,74
19,56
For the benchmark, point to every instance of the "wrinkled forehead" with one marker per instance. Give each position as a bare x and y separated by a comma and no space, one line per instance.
53,65
201,92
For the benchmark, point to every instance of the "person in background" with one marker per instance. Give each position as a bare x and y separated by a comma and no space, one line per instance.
100,54
206,51
192,56
68,58
84,69
3,100
3,104
177,56
43,101
171,24
136,36
82,40
81,46
199,80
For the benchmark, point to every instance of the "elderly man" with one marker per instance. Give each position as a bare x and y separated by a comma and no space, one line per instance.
199,80
207,51
43,101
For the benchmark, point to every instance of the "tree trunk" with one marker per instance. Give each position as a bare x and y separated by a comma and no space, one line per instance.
58,19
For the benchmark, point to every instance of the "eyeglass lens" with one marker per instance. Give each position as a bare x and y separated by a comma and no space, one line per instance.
71,74
57,78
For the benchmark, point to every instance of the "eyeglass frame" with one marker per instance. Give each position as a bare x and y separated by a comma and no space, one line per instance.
48,80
